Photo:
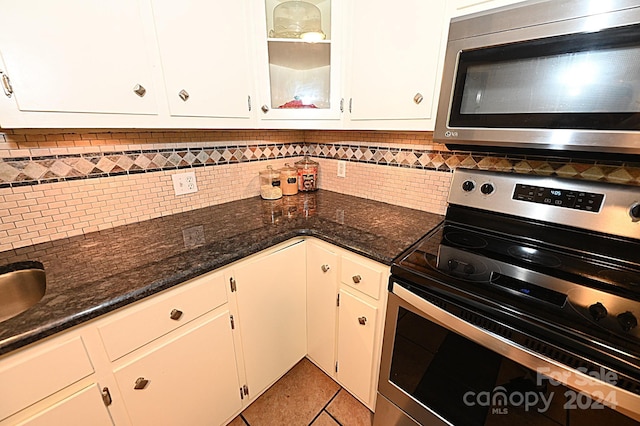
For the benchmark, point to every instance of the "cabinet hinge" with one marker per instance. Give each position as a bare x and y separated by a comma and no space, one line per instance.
342,105
6,84
232,283
336,366
249,102
245,390
350,104
106,396
233,324
338,300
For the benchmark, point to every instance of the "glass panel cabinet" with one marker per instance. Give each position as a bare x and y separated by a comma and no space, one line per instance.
302,76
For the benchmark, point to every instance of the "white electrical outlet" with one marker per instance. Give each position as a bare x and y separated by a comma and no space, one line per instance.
342,168
184,183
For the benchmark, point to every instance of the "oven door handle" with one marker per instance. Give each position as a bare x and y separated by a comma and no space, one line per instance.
626,402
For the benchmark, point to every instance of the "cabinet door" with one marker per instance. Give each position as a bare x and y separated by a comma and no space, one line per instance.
394,54
271,296
204,52
76,56
82,408
300,79
356,341
193,379
322,292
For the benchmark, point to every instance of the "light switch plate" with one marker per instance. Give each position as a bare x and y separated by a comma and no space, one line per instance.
184,183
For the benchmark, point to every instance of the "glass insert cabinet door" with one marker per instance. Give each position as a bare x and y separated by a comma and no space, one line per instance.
302,71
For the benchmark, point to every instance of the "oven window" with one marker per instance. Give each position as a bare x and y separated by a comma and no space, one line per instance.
578,81
467,384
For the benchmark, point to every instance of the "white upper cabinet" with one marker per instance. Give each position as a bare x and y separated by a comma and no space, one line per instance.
85,56
393,70
299,69
205,57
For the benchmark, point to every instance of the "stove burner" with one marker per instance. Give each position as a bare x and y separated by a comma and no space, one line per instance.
466,240
534,256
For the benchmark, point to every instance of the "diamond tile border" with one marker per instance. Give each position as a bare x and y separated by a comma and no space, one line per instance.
20,171
447,161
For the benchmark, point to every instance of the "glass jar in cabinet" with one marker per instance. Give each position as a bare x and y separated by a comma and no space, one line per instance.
302,76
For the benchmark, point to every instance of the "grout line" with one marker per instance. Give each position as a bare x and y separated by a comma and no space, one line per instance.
244,420
324,409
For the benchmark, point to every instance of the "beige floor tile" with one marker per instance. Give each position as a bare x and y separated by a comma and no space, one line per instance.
349,411
295,399
237,422
324,420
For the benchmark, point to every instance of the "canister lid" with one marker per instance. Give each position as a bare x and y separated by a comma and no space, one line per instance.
287,168
306,162
269,172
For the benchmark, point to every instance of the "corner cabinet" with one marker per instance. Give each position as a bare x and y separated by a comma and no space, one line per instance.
299,63
346,300
394,64
269,292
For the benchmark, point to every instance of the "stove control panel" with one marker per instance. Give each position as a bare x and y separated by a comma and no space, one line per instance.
592,205
580,200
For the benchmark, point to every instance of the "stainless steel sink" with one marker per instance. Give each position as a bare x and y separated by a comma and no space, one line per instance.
22,285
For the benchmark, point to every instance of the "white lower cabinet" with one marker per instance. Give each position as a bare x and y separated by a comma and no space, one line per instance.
356,345
200,352
191,379
82,408
270,295
322,309
346,299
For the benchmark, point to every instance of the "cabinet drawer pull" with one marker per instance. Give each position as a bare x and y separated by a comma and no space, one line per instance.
184,95
265,109
139,90
325,268
362,320
175,314
418,98
356,278
141,383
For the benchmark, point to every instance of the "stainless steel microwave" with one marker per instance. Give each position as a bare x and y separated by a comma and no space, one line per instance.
555,74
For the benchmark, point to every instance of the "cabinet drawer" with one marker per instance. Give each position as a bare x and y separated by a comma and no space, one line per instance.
361,275
139,325
33,374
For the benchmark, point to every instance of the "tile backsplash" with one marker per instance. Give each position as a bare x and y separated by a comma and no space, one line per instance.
61,183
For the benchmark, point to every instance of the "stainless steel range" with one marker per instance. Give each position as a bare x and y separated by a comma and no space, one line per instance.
522,307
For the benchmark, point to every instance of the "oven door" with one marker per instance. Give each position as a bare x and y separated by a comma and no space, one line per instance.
438,369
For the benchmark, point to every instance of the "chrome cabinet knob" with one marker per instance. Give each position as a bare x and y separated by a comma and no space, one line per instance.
175,314
418,98
141,383
356,279
325,268
264,108
139,90
184,95
362,320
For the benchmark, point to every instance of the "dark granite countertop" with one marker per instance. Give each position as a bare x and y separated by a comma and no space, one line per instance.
95,273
